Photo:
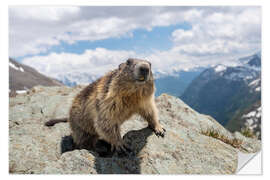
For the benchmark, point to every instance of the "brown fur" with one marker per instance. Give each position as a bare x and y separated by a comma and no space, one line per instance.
54,121
98,111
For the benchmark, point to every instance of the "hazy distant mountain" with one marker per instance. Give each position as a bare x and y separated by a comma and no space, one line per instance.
176,85
73,79
165,83
22,77
225,92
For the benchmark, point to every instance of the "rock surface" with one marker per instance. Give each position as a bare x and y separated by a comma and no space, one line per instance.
185,149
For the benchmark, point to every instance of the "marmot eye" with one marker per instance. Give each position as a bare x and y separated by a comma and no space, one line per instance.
129,62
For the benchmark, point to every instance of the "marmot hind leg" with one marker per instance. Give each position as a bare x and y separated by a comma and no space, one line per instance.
83,139
111,135
90,142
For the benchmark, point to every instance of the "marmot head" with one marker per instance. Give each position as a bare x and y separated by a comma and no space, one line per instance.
136,70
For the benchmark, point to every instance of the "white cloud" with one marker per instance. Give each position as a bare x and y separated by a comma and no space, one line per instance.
36,29
33,29
182,36
90,63
224,33
83,68
95,29
45,13
218,35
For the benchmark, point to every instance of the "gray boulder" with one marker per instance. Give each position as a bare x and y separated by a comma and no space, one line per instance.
194,143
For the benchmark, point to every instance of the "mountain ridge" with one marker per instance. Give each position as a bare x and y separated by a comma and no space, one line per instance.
23,77
224,91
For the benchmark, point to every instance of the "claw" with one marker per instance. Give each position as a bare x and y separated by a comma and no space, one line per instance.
160,133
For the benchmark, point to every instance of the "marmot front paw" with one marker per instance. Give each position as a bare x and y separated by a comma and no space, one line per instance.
159,130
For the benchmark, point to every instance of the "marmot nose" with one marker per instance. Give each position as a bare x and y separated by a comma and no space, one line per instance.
144,70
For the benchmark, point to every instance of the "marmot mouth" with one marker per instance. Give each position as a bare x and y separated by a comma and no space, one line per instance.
141,79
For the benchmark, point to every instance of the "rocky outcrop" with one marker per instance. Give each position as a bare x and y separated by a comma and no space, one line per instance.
194,143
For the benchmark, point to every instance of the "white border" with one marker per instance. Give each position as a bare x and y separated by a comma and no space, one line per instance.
4,73
139,2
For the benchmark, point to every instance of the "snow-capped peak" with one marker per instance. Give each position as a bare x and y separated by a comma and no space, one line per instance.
253,61
248,69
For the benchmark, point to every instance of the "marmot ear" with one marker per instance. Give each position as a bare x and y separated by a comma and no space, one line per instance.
149,63
121,65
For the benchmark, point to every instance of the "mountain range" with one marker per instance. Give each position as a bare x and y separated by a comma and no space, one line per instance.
228,93
175,85
231,94
171,84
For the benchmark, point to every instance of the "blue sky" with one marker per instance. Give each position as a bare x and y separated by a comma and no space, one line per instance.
141,41
72,40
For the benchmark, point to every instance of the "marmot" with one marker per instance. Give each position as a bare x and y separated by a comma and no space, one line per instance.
98,111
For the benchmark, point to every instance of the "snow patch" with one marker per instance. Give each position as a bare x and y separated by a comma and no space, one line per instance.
186,69
21,91
250,114
15,67
21,69
252,119
73,79
254,83
220,68
248,77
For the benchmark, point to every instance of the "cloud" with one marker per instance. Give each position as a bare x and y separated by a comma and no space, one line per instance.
35,30
92,63
45,13
223,33
218,35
